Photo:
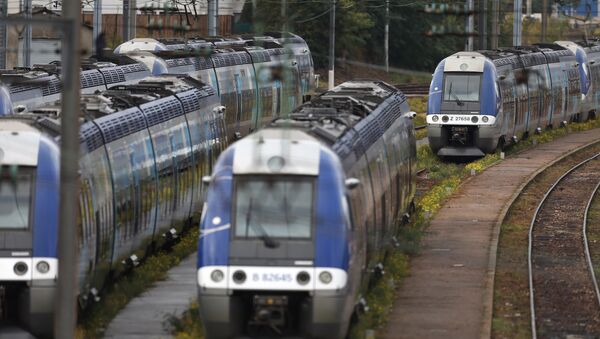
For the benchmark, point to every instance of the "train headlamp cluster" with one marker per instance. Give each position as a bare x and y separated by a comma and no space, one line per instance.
303,278
325,277
239,277
217,276
42,267
20,268
461,119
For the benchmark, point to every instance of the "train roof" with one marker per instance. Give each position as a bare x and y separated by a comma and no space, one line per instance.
118,108
331,114
525,56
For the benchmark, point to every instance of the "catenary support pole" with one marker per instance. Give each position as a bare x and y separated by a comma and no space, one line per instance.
470,25
212,17
544,19
97,24
331,77
517,22
27,35
3,33
387,36
495,33
65,311
482,24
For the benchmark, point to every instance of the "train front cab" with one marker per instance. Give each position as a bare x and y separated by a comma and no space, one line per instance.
273,251
29,177
463,106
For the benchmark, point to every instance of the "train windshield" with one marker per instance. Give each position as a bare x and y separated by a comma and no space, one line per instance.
273,207
15,196
462,87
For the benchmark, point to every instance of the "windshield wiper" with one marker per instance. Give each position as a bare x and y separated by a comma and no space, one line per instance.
263,235
458,102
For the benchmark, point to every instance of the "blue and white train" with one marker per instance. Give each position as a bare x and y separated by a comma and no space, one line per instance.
481,100
257,78
299,214
144,149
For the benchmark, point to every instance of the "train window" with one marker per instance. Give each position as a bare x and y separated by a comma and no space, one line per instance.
15,196
462,87
278,207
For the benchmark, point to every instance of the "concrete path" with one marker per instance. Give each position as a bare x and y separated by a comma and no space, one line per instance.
450,291
144,316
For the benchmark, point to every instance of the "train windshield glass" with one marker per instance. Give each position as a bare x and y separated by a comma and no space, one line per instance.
462,87
15,196
273,207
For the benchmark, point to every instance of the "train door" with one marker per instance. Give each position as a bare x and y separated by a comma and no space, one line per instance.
175,173
136,192
277,97
87,227
565,93
548,97
237,83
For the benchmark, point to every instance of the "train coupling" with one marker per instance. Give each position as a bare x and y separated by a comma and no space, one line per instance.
269,311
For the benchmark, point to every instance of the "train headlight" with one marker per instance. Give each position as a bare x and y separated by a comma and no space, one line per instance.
42,267
303,278
445,118
20,268
325,277
217,276
474,120
239,277
435,118
485,119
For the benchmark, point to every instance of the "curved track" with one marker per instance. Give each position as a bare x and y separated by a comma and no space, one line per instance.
564,296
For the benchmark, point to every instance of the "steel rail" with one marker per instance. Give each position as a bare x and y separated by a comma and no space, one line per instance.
586,243
530,235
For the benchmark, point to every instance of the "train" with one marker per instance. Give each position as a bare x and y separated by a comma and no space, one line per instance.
484,100
145,146
300,214
257,77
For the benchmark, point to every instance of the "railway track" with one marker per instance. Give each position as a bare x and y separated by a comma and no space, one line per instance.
564,295
413,89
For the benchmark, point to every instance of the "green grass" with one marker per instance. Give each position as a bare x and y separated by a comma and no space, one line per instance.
419,105
94,321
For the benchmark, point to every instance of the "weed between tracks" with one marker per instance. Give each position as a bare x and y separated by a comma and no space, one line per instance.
94,321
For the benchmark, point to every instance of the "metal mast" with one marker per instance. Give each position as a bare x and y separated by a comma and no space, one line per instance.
517,22
332,45
97,24
495,13
387,36
213,12
129,19
3,33
27,35
470,25
66,313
